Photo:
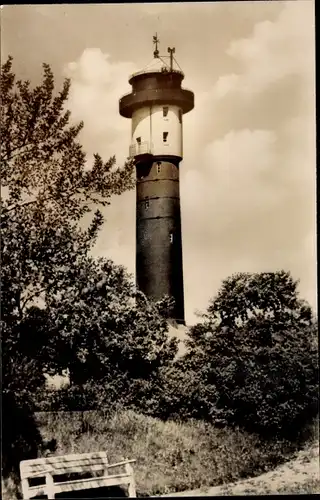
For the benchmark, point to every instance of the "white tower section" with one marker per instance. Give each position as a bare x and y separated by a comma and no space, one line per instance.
157,130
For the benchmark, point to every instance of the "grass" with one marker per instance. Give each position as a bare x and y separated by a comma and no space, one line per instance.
299,476
311,486
170,456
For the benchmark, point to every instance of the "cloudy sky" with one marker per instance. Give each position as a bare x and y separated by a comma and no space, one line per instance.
248,174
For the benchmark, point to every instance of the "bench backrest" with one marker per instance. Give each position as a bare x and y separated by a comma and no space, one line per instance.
85,462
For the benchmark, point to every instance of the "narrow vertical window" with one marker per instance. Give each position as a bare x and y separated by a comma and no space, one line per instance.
158,167
165,136
165,110
171,237
146,204
180,116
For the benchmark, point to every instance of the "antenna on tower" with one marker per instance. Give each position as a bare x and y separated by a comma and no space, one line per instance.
171,52
156,41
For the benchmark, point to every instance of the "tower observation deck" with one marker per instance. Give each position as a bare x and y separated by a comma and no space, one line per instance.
156,106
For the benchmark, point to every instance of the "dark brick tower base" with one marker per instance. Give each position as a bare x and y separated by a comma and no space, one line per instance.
158,232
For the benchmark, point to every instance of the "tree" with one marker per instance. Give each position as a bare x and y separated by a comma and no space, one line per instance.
256,348
46,191
81,313
106,326
272,295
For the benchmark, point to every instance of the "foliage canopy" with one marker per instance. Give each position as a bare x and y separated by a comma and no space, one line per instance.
61,308
253,357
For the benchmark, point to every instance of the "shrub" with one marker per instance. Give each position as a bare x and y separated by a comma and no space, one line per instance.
21,439
253,361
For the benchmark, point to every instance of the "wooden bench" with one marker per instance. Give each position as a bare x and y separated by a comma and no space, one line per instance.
89,463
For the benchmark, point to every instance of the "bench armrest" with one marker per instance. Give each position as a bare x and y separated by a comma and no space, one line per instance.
120,463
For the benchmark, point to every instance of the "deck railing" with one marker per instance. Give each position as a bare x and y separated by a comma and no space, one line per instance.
143,148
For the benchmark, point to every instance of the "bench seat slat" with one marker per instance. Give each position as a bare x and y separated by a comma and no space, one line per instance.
96,482
68,468
47,468
36,468
67,458
29,467
83,483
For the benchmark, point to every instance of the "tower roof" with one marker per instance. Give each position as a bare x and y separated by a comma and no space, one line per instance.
160,63
159,82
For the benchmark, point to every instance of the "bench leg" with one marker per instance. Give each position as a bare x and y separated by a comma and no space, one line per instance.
25,489
49,486
132,484
132,489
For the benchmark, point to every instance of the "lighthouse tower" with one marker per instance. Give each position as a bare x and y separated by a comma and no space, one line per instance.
156,106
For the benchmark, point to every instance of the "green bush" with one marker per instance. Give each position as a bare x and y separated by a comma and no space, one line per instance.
253,360
21,439
184,393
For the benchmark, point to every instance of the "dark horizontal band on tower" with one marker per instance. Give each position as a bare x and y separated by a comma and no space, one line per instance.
180,97
158,217
157,246
142,200
151,158
140,181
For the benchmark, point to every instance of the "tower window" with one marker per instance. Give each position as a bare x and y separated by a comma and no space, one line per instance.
158,167
165,110
180,116
165,136
146,204
138,140
171,237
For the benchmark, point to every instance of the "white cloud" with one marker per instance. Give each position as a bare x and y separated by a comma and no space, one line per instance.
246,214
248,190
274,51
97,83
